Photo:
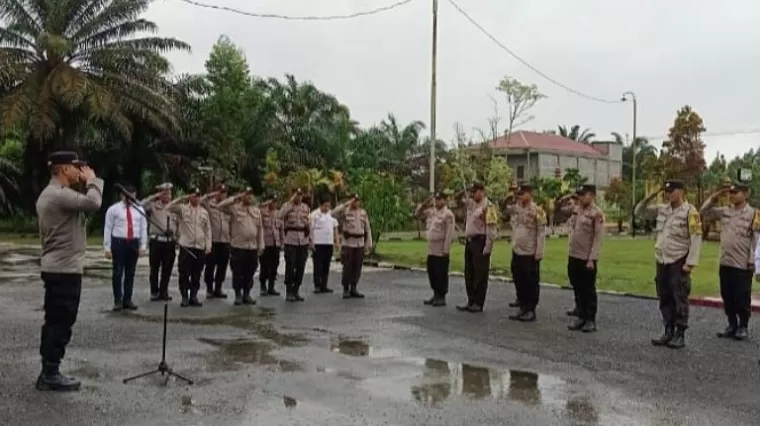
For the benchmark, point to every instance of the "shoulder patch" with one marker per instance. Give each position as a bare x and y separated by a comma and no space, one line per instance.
695,222
756,221
492,216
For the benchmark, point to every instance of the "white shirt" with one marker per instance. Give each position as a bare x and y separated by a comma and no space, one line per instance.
757,257
323,227
116,225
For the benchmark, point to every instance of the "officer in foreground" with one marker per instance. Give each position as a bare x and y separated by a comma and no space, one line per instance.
270,258
357,240
161,246
480,232
739,224
679,239
294,215
440,231
246,243
195,244
587,232
528,239
61,217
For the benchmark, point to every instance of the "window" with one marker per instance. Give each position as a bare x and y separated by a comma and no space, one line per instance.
520,172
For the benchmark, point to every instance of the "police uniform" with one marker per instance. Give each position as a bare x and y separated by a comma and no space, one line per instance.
738,239
357,238
161,245
528,238
440,232
480,232
295,222
587,231
195,242
218,260
679,239
270,259
61,218
246,242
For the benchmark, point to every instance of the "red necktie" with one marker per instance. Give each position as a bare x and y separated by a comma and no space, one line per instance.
130,228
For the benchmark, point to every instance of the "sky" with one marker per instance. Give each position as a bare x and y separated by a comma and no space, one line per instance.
669,53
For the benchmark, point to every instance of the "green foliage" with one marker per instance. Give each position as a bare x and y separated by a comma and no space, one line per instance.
573,178
575,133
382,197
520,98
498,180
683,155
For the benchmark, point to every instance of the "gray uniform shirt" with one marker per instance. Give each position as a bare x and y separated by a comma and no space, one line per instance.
738,233
679,232
61,220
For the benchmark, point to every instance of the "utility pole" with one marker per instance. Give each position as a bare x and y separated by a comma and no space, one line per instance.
625,97
433,94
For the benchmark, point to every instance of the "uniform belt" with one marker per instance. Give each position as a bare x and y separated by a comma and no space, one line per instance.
350,235
295,229
161,238
475,237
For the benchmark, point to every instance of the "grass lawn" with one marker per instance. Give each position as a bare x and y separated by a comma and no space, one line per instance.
625,264
34,239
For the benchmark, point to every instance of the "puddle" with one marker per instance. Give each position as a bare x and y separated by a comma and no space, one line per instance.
360,348
233,354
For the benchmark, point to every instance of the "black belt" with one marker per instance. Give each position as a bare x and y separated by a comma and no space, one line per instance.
476,237
294,229
350,235
161,238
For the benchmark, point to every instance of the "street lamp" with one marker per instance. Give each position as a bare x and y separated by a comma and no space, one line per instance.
632,96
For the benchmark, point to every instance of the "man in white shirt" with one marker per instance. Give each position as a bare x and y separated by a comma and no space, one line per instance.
125,238
324,237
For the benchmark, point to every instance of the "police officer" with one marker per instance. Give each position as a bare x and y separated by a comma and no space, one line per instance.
247,241
528,237
295,222
357,240
195,244
61,217
162,243
679,239
480,232
218,260
739,224
440,231
587,231
270,257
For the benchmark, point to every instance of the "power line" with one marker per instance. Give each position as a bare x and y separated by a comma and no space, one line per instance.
713,134
526,63
299,18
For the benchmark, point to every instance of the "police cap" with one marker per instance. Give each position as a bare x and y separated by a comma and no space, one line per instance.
195,192
478,186
63,158
355,196
524,187
164,186
739,186
583,189
220,187
439,195
672,184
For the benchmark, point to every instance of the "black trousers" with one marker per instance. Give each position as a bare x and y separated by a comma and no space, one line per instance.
321,259
270,261
62,294
583,281
216,266
295,263
476,269
438,274
526,273
352,259
161,258
244,264
124,255
673,289
190,269
736,292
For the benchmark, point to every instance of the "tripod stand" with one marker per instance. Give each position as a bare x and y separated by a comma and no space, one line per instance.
163,367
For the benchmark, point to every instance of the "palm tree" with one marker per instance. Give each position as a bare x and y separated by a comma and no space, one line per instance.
68,60
575,133
645,154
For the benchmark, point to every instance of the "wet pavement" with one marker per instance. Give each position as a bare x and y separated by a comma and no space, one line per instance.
386,360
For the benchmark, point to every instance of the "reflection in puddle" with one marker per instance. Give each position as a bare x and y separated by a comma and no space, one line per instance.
233,353
360,348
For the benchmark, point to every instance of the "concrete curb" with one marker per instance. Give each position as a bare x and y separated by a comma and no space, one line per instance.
709,302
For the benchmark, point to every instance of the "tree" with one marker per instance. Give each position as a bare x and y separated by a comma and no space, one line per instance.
499,178
521,98
683,155
646,154
619,194
382,197
575,133
573,178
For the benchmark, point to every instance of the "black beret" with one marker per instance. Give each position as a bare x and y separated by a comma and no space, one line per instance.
739,186
672,184
582,189
63,158
439,194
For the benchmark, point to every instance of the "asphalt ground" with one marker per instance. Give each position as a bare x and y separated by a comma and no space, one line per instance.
385,360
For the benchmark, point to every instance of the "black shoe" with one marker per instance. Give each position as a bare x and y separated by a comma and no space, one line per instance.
272,292
195,302
130,306
475,309
518,315
346,294
666,337
430,301
440,302
248,300
117,306
238,299
528,316
185,302
589,327
515,304
209,293
464,308
679,339
165,297
355,294
155,297
572,313
576,324
219,294
290,298
263,292
298,297
318,290
57,382
741,333
728,333
327,290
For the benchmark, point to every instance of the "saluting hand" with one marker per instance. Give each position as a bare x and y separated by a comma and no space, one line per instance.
86,173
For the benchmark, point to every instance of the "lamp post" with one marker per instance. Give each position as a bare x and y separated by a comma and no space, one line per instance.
632,96
433,93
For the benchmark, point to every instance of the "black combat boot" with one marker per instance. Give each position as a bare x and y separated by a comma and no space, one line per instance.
573,312
263,292
666,337
741,333
589,326
518,315
238,298
271,291
218,293
679,339
185,301
297,295
154,297
429,301
528,316
194,300
355,294
209,290
515,304
51,379
247,299
728,332
576,324
439,302
346,293
289,296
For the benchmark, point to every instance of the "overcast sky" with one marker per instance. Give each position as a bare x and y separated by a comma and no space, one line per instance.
670,53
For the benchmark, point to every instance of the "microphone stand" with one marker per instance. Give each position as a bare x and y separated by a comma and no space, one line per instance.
163,367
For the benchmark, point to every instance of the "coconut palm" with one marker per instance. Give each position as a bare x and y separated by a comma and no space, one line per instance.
575,133
65,61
